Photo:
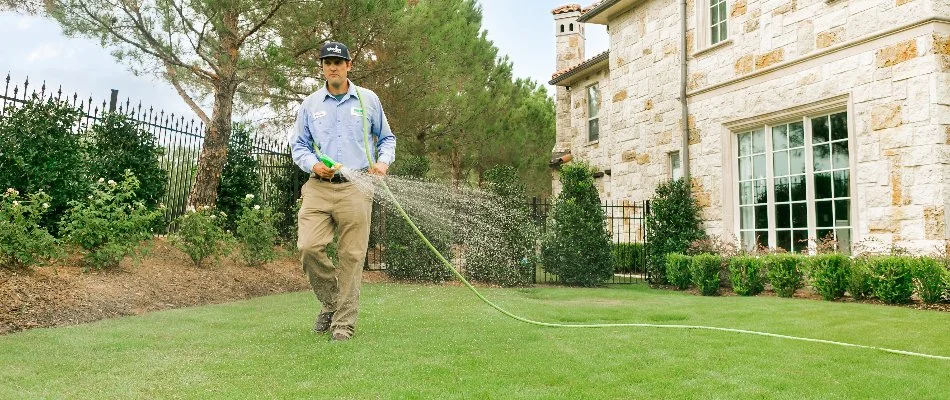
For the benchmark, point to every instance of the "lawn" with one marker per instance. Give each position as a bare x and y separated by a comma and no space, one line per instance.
440,342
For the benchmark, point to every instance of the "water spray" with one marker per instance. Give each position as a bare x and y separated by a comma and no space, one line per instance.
448,265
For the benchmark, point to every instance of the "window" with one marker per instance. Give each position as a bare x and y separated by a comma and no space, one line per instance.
717,21
676,167
593,113
794,183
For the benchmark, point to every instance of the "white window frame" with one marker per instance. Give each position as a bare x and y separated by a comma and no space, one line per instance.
675,164
803,113
704,25
589,119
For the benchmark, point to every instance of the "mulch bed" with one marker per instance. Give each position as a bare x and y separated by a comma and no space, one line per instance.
62,294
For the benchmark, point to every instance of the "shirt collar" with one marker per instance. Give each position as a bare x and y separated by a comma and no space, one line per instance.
351,92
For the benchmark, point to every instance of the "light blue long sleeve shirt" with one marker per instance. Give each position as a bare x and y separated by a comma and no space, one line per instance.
336,126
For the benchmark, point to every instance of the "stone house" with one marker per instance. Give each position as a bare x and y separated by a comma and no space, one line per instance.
798,119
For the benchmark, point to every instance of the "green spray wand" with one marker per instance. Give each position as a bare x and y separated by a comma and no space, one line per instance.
326,160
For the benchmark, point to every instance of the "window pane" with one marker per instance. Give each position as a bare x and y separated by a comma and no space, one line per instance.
783,240
796,135
822,155
839,126
745,193
780,137
783,216
842,213
676,170
824,214
825,234
761,217
594,129
745,144
780,163
746,217
760,188
781,189
723,32
842,180
714,33
748,240
763,238
800,240
823,185
844,240
796,161
758,170
593,102
839,155
819,129
797,188
800,215
745,168
758,141
713,15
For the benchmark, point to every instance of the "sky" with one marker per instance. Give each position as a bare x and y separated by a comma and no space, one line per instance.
36,47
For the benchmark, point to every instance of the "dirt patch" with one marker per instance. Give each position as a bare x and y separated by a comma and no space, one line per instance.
62,294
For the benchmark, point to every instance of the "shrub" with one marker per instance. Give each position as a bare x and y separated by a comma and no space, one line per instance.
746,274
239,176
673,223
784,272
407,257
576,245
892,279
39,152
111,224
284,198
23,242
116,144
677,270
829,274
859,279
704,270
503,254
628,257
256,232
201,234
930,278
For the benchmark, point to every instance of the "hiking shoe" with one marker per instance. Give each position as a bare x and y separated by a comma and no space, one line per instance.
340,336
322,324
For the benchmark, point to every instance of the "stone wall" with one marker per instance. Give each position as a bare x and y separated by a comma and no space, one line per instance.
896,86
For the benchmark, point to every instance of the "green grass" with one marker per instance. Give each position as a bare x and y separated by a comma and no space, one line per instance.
440,342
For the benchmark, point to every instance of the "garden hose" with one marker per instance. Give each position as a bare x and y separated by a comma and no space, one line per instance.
464,281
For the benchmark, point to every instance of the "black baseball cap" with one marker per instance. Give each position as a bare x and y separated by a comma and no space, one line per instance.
334,49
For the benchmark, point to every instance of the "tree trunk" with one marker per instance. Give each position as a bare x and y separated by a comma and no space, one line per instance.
215,150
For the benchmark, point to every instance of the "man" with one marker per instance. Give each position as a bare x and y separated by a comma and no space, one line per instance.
331,119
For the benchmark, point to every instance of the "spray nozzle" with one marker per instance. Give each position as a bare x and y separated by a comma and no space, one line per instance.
328,161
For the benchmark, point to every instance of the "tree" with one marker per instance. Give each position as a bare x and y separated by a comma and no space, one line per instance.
240,176
218,49
673,224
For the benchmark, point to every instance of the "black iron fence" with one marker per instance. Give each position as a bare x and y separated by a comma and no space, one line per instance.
181,138
625,220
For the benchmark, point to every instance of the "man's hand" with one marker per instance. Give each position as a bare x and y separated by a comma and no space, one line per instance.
323,171
379,168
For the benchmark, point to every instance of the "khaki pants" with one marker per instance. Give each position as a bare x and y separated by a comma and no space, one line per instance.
327,207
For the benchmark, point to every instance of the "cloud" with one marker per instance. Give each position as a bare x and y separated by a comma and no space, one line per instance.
45,52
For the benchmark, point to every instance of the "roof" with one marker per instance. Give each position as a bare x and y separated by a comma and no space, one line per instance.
566,9
564,74
598,13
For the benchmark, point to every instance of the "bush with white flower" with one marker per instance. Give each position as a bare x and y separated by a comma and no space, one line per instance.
111,224
24,243
200,234
257,232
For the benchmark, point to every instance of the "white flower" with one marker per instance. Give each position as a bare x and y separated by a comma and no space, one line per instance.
161,206
256,207
89,197
249,196
212,217
190,209
16,203
45,205
206,207
102,180
223,214
11,190
111,182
